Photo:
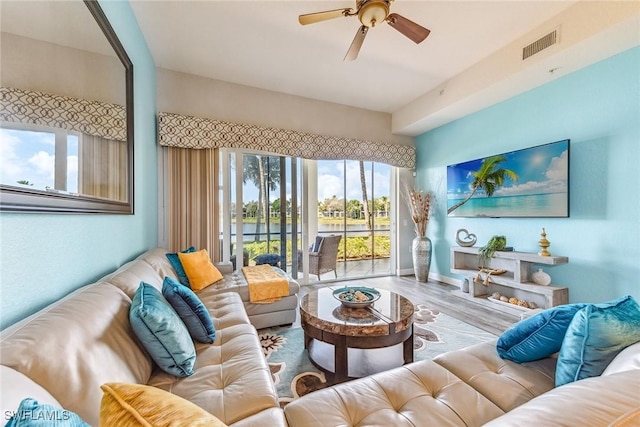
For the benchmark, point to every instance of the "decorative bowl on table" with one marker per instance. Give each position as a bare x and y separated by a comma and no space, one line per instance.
356,296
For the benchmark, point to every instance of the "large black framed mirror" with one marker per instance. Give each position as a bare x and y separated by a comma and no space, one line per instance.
66,110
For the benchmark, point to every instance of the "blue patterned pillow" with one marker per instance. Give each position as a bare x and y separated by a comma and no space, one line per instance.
271,259
538,336
30,413
595,336
162,332
190,309
177,265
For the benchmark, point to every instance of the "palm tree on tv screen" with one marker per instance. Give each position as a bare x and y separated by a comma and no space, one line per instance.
489,178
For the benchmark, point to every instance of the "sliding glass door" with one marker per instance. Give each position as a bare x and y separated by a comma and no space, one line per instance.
262,196
354,202
264,209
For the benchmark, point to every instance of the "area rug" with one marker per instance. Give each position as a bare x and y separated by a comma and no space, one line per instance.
295,376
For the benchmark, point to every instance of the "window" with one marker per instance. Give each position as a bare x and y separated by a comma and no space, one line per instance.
322,198
258,220
40,158
354,201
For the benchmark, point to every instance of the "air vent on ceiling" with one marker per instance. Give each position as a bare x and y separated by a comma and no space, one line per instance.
540,44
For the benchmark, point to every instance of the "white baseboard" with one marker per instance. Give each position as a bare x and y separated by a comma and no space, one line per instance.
432,276
445,279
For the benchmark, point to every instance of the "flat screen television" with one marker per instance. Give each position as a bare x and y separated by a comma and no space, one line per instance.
532,182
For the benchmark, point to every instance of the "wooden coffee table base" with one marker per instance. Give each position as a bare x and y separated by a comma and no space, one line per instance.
381,334
341,344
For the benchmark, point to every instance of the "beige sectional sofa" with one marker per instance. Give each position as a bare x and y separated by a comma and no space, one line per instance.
62,354
65,352
474,387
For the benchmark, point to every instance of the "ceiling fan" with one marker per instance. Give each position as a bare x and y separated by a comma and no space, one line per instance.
370,13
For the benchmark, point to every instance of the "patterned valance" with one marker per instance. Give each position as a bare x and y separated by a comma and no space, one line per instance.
194,132
81,115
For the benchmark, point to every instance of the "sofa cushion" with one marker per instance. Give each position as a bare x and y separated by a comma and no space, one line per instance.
15,386
505,383
129,276
236,282
237,376
157,259
92,344
417,394
597,401
31,413
626,360
190,309
177,265
162,332
199,269
132,405
597,333
537,336
272,417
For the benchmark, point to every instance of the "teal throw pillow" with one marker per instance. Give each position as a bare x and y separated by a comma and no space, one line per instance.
190,309
595,336
162,332
538,336
30,413
177,265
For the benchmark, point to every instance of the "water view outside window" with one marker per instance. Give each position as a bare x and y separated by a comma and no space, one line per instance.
353,201
266,220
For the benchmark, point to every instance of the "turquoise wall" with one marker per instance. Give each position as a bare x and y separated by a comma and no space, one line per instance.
45,256
598,109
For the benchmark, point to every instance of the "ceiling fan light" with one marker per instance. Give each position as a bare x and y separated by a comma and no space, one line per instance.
373,13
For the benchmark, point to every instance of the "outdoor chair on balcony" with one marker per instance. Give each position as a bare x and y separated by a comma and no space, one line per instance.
324,255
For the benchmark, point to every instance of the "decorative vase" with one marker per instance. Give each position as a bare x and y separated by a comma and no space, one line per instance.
421,251
541,278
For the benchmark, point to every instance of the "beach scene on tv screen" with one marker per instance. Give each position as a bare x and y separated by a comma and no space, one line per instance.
532,182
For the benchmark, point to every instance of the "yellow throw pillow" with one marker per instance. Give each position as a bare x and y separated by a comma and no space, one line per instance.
199,269
129,405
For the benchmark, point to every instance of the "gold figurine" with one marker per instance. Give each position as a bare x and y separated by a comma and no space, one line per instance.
544,244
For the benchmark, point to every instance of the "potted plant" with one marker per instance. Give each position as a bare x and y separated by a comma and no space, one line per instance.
419,203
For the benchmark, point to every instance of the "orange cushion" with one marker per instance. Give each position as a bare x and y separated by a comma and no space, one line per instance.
129,405
199,269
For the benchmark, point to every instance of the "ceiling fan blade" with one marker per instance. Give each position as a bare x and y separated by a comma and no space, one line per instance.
356,44
410,29
312,18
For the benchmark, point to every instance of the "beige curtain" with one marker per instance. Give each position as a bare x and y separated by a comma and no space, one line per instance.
192,202
102,168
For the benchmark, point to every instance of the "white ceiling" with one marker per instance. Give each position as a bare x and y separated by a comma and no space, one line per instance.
261,44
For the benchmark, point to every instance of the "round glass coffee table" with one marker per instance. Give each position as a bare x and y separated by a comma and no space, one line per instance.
349,343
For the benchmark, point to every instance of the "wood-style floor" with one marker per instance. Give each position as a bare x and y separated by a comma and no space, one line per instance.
435,295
